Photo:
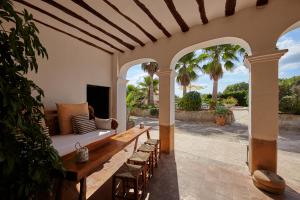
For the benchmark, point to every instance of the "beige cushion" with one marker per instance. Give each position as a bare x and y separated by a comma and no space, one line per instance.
104,124
268,181
65,114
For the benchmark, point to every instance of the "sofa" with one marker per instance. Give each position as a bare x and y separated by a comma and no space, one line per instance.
65,144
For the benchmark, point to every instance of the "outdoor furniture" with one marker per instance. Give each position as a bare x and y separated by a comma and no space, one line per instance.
156,144
149,149
127,182
142,159
268,181
98,155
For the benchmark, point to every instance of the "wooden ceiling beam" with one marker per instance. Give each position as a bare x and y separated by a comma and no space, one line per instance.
202,11
75,15
262,2
151,37
87,7
70,35
151,16
67,23
230,7
183,26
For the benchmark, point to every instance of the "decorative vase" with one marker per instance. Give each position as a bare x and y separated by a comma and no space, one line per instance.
220,120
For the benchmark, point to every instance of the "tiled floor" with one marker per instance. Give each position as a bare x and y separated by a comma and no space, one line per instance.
208,163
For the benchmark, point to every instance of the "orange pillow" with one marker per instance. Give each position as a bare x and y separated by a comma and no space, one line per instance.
65,114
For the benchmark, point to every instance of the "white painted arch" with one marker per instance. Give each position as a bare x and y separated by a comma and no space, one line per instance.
209,43
290,28
124,68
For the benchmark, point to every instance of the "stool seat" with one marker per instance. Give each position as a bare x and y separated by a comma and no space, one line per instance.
146,148
129,171
140,157
268,181
152,142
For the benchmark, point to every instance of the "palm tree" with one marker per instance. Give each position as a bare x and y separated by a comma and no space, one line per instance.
185,68
214,57
146,85
151,68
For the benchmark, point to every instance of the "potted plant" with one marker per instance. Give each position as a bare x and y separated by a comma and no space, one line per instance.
220,115
28,161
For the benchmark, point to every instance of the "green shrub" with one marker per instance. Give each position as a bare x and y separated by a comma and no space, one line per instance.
231,101
221,111
154,111
206,98
237,87
287,104
240,96
190,101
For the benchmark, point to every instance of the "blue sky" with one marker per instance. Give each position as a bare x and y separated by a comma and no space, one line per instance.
289,65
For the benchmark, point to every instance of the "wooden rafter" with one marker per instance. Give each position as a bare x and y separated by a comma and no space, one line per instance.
202,11
87,7
67,23
151,16
151,37
75,15
230,7
184,27
73,36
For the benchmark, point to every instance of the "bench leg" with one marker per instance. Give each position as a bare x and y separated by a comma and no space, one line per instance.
82,194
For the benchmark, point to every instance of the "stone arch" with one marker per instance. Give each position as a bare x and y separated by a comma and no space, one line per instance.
213,42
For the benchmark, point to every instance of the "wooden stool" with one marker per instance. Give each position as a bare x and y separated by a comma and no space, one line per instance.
130,184
149,149
142,159
156,144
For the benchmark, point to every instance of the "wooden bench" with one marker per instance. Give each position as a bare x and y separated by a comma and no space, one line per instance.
99,153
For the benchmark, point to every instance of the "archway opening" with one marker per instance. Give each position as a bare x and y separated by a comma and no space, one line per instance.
141,92
196,119
289,105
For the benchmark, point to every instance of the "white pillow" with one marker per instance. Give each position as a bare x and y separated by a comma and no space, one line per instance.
104,124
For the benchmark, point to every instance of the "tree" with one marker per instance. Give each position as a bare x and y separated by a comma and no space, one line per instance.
237,87
149,87
151,68
185,68
213,58
28,161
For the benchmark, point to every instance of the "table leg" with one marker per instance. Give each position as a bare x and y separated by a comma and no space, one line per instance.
135,144
148,134
82,194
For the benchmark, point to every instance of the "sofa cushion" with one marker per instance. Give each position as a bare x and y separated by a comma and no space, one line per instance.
65,144
83,124
65,114
103,123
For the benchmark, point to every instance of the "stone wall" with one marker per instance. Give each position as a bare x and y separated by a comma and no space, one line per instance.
289,122
201,116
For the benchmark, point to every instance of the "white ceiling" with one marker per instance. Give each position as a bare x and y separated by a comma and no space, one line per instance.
188,9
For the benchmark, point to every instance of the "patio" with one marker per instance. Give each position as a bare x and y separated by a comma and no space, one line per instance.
208,163
94,43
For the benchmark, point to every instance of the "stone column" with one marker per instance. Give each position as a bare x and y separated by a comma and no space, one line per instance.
121,103
166,109
263,110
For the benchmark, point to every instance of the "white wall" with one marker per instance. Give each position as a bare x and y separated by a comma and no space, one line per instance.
70,67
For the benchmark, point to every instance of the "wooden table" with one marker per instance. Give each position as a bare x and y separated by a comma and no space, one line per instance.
98,155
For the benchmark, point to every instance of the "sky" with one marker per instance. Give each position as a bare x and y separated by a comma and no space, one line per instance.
289,66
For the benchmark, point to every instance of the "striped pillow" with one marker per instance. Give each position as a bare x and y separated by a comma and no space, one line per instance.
83,124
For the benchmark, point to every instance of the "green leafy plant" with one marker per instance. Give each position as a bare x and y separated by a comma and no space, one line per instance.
230,101
27,159
287,104
154,111
191,101
221,111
